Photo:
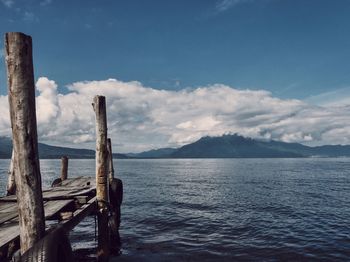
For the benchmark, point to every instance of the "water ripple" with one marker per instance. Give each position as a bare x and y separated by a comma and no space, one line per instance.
226,209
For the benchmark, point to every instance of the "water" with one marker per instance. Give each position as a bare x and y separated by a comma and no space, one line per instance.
225,209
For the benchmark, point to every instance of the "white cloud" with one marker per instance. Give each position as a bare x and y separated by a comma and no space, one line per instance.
8,3
338,97
5,126
141,118
47,102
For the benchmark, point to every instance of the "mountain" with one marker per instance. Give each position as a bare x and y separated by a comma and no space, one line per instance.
120,156
232,146
154,153
226,146
235,146
51,152
47,151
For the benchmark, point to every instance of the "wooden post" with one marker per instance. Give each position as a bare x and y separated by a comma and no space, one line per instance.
20,79
115,201
99,105
11,185
110,160
64,168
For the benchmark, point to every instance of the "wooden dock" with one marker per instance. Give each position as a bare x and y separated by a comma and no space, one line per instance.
36,221
65,205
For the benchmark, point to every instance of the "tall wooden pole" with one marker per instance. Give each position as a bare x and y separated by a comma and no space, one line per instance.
99,105
110,160
64,168
20,79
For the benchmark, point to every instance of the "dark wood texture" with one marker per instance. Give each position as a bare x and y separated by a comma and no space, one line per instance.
21,90
57,199
99,105
64,168
110,160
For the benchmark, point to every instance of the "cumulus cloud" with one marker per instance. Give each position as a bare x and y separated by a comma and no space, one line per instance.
5,126
141,118
47,102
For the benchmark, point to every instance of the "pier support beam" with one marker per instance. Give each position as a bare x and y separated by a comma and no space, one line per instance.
99,105
110,160
115,201
64,168
20,79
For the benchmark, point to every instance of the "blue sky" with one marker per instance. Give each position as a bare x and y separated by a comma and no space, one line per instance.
174,71
293,48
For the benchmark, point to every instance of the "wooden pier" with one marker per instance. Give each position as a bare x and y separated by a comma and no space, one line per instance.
35,222
64,205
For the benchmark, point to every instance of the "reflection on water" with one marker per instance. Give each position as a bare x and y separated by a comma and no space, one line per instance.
223,209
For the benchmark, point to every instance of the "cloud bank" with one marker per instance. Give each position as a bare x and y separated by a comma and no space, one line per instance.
141,118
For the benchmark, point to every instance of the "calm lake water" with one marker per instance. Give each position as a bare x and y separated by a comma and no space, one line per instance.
225,209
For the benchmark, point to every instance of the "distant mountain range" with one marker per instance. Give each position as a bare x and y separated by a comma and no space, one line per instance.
235,146
154,153
51,152
226,146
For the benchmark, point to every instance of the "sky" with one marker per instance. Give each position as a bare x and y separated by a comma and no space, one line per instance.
174,71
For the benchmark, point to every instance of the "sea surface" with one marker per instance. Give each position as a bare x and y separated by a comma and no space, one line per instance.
224,209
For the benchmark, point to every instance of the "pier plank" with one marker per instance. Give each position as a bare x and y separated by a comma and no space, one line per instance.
8,199
8,207
78,181
8,211
54,200
57,193
6,216
67,194
53,207
9,233
79,214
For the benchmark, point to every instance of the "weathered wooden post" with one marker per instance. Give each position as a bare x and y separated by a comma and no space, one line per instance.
11,185
99,105
110,160
64,168
115,201
20,79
